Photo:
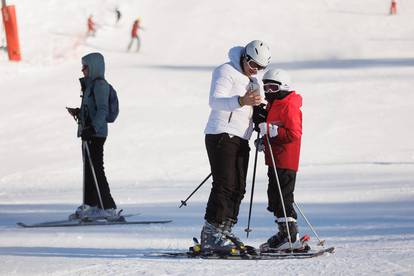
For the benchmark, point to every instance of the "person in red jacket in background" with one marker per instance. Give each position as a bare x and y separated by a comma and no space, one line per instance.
91,26
134,35
393,8
283,127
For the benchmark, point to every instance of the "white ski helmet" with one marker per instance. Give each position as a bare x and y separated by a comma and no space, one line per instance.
280,76
259,52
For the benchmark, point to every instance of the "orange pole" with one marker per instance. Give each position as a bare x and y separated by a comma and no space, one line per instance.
12,35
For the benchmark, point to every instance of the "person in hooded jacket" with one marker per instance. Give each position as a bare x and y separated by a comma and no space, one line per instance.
93,129
283,127
234,90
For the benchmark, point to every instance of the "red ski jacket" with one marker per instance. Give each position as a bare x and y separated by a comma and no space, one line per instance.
91,24
135,27
286,114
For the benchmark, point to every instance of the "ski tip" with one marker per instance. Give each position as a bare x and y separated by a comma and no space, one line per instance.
21,224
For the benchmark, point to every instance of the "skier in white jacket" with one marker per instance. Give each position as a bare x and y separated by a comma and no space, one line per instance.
235,89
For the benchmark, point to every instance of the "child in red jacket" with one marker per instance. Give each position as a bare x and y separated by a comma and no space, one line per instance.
283,128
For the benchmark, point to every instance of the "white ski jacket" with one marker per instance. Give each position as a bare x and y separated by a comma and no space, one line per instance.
227,85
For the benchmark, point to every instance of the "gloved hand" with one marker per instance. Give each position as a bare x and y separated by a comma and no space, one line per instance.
272,131
259,144
88,133
74,112
259,116
253,87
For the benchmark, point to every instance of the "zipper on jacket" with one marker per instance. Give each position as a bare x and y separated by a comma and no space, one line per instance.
231,114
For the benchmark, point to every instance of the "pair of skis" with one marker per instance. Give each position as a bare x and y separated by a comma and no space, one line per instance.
242,252
312,253
121,220
69,223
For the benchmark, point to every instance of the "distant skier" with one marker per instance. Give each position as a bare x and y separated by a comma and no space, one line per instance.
393,8
134,35
118,14
93,129
91,26
234,90
283,126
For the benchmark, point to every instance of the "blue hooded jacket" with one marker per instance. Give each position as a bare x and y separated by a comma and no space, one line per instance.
94,108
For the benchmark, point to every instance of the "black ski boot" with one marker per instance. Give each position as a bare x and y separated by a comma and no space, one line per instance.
227,230
280,241
215,241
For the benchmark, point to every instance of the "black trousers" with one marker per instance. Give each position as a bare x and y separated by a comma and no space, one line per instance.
287,180
229,159
96,148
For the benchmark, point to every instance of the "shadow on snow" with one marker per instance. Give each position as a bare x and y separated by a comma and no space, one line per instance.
330,219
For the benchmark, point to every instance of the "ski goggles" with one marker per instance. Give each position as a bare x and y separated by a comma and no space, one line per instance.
272,87
253,65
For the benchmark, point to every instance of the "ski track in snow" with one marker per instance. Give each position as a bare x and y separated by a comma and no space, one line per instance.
352,63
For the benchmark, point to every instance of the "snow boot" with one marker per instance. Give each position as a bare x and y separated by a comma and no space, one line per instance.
227,230
215,241
113,214
99,214
280,241
81,211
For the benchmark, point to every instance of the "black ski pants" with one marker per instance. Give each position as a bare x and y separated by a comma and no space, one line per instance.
96,149
287,180
229,159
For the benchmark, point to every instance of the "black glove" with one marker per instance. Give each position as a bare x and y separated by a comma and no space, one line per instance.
74,112
88,133
83,84
259,115
259,144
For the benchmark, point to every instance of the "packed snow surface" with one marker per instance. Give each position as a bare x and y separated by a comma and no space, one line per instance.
352,63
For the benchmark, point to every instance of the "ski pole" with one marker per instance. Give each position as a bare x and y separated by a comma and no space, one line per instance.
321,242
280,192
248,230
98,191
84,172
184,202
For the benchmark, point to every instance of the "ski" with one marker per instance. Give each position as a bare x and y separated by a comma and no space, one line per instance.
245,256
298,255
69,223
120,219
72,223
